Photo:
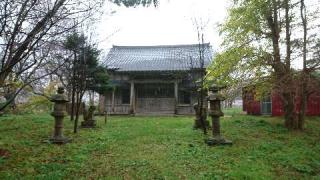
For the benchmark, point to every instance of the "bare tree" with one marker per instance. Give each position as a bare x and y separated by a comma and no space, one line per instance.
30,32
198,75
304,74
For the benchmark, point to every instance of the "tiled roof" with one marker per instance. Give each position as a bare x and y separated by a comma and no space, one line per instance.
157,58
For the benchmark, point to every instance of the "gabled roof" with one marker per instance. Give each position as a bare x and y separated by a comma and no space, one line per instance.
157,58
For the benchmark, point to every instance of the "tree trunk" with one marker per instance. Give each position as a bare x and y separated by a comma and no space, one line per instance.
304,75
73,86
72,104
288,35
78,103
284,77
303,103
291,119
201,95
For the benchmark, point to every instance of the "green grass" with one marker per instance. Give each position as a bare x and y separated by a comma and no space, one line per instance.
159,148
232,111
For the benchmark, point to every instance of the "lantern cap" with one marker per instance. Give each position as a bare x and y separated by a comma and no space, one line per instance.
216,88
59,97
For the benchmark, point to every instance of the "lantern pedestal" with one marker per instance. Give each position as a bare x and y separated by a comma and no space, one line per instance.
88,124
215,141
198,124
88,116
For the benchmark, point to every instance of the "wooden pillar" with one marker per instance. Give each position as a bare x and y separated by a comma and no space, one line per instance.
132,99
112,99
102,103
176,97
105,109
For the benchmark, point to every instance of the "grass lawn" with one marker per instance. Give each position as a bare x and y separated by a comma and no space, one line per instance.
159,148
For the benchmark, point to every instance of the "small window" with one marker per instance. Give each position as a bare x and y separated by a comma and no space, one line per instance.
184,97
266,105
125,92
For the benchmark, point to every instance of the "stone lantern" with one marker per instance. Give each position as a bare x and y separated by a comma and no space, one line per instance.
59,111
215,112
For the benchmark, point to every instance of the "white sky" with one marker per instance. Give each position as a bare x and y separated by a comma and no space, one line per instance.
170,23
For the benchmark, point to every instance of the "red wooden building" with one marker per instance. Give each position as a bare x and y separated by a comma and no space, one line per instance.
272,104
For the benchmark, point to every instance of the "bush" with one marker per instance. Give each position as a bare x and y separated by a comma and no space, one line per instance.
36,104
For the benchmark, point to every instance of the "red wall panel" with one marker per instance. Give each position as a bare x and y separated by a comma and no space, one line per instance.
313,106
277,109
253,107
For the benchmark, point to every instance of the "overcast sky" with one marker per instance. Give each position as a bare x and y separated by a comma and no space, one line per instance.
170,23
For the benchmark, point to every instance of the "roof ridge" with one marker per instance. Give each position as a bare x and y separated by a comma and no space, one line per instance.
160,46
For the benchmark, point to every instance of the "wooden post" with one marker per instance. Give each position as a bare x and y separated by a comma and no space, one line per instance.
102,103
176,97
105,109
112,100
105,103
132,99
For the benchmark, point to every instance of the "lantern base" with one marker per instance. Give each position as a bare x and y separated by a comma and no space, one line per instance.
88,124
59,140
217,141
198,124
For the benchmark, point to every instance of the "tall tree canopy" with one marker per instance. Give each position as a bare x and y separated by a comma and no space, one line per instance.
82,73
262,39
